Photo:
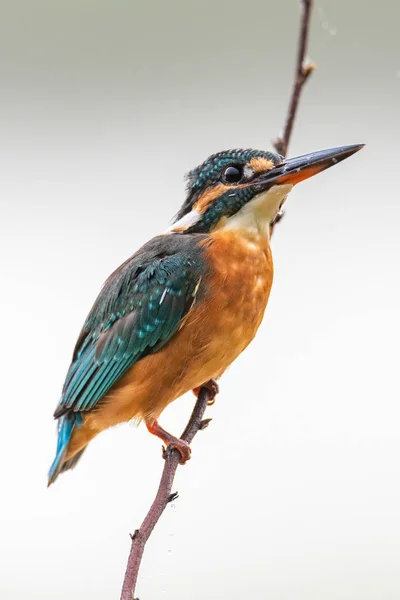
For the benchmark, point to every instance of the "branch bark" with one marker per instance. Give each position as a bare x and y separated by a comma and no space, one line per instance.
196,422
163,496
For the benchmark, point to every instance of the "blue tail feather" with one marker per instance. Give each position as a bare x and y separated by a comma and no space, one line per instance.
66,426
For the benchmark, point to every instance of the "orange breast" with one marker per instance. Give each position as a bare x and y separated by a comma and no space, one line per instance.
237,292
224,319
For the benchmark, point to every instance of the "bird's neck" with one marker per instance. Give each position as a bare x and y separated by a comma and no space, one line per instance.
254,219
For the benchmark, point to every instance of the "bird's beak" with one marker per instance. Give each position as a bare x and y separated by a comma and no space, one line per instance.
294,170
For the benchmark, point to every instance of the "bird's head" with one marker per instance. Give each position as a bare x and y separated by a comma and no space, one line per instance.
251,184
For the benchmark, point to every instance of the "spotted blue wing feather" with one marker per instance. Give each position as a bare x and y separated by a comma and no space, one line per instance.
140,308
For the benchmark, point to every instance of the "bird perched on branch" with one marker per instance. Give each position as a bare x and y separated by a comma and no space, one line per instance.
177,313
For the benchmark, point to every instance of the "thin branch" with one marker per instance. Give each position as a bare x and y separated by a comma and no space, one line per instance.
163,496
303,71
172,456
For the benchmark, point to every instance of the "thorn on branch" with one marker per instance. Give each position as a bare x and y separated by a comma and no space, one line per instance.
172,497
134,534
204,424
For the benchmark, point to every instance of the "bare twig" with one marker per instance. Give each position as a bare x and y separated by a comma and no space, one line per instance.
163,496
196,422
303,70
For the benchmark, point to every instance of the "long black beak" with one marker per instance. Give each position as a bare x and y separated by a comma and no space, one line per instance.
294,170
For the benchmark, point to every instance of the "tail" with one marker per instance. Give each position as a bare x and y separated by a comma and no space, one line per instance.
66,426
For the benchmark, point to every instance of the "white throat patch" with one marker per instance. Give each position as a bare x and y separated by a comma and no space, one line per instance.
257,215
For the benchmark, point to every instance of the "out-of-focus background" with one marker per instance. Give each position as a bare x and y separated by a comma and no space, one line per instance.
293,492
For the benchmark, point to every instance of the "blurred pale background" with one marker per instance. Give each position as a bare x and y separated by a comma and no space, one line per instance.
293,492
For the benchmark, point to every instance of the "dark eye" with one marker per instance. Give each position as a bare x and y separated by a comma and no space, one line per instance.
233,174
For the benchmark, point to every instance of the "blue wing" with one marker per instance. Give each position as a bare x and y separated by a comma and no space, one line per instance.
138,310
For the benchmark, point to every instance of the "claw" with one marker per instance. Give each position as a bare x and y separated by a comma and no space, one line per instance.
213,389
170,441
183,448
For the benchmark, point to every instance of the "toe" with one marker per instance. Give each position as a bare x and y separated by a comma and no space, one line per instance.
185,452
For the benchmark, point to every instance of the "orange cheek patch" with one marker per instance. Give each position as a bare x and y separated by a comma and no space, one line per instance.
209,196
260,165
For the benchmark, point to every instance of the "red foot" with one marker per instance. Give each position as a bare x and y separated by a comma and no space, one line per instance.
212,387
170,440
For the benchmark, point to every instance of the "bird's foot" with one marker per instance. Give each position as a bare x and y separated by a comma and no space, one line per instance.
170,441
182,447
213,389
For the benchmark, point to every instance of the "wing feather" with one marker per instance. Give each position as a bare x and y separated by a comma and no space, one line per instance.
139,309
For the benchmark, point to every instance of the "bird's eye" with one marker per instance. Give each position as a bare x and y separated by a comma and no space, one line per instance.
233,174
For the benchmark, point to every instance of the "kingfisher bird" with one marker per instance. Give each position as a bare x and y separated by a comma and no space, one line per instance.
179,311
